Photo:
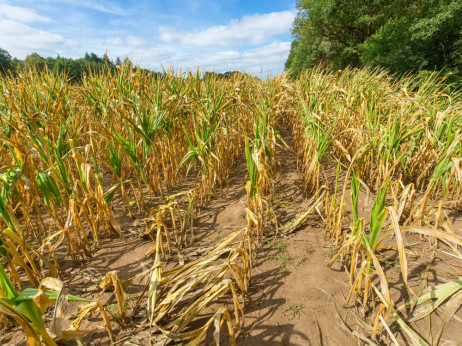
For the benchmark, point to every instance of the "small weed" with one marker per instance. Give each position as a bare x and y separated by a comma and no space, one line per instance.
294,308
272,257
390,263
284,260
283,203
300,261
332,253
114,308
309,249
281,247
397,328
282,256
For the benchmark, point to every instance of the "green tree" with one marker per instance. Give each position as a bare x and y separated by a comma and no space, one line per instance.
400,35
5,61
426,36
35,61
333,31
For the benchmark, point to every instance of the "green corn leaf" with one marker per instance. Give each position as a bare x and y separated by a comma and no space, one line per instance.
109,194
437,296
29,309
378,215
354,197
30,293
8,290
251,166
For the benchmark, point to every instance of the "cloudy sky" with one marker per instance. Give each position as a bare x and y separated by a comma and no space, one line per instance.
222,35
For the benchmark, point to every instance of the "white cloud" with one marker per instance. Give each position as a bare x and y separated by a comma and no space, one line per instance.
21,14
100,6
114,41
275,49
20,39
250,30
151,56
135,41
125,41
137,48
270,57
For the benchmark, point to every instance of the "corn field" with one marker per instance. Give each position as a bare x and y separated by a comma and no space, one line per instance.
382,175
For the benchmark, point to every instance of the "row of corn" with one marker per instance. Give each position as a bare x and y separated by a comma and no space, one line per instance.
363,136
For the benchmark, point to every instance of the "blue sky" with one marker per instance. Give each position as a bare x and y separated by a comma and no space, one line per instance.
251,36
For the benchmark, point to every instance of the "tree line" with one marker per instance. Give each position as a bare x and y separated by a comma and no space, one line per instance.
75,69
400,35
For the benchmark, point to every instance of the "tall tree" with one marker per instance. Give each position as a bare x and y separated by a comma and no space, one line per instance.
5,61
35,61
333,31
401,35
426,35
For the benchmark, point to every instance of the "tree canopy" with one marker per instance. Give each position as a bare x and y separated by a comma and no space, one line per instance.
401,35
5,60
75,69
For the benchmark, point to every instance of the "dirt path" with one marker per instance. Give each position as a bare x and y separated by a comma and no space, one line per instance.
291,282
291,274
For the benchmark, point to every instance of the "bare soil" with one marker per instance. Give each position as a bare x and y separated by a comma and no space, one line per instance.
295,291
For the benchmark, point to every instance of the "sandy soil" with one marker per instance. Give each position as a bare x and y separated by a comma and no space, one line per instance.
294,288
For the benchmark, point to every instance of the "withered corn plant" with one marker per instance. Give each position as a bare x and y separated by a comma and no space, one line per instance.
399,142
179,294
